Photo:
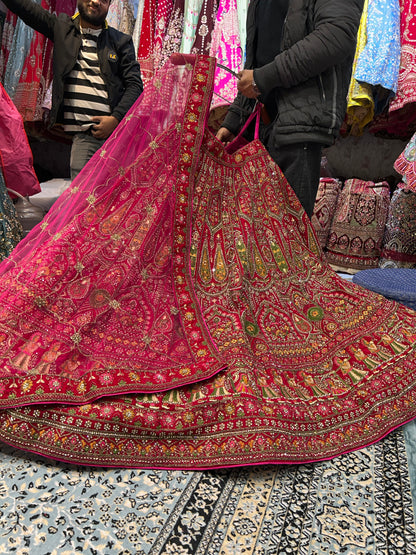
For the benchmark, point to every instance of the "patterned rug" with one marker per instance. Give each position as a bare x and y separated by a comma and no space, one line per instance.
357,504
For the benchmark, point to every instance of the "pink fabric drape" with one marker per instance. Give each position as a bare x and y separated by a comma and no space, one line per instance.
15,153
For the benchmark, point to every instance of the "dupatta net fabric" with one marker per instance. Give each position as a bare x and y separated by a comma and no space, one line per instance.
173,310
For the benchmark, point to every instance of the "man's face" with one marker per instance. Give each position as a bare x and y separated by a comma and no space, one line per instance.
93,12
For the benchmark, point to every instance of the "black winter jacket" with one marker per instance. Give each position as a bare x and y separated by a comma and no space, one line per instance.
118,64
310,76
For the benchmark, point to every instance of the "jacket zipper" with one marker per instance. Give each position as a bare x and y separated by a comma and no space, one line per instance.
282,39
334,101
321,86
334,98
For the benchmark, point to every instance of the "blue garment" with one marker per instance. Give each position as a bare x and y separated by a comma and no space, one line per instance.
22,39
135,7
378,63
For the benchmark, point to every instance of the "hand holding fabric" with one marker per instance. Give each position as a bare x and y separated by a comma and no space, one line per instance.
246,85
224,135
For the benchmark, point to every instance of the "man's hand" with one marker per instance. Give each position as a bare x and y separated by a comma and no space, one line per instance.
103,126
224,135
245,84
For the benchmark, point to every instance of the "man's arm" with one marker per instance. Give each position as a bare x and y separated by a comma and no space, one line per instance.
332,40
33,15
132,80
236,116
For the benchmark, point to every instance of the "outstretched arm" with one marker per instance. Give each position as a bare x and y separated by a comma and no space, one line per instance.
33,15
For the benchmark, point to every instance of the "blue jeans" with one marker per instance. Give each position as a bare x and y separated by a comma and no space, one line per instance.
301,165
84,146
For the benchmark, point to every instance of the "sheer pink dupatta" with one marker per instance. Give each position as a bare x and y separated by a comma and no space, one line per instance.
159,108
98,298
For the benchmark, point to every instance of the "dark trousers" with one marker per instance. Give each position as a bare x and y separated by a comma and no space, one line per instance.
84,146
301,165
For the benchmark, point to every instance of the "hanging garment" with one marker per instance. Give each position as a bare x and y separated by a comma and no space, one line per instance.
15,47
115,13
36,75
135,7
205,26
226,47
378,62
3,15
138,25
173,310
164,11
121,16
360,101
325,206
172,39
357,228
399,245
192,10
400,119
146,40
242,6
406,165
15,155
406,89
9,27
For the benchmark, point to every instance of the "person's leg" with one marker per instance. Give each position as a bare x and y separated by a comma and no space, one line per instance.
84,146
301,165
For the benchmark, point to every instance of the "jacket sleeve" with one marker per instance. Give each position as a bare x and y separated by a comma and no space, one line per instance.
131,77
33,15
332,40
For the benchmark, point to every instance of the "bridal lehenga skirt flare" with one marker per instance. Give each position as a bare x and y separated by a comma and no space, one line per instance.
173,310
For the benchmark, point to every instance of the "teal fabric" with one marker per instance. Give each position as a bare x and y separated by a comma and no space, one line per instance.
11,231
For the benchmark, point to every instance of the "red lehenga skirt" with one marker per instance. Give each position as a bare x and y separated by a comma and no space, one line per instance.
173,310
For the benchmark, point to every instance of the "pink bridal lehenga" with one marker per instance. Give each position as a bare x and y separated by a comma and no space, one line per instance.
173,310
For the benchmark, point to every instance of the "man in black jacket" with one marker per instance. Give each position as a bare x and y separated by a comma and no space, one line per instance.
299,55
96,77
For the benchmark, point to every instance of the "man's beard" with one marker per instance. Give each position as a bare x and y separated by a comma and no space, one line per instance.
91,19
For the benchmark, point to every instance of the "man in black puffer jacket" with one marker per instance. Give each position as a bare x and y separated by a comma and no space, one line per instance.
96,77
299,55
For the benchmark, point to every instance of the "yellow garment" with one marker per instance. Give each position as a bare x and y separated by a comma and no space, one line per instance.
360,105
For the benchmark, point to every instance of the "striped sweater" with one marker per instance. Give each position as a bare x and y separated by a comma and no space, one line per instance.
85,93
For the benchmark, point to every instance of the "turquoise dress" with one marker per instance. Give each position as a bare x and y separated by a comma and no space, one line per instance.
11,231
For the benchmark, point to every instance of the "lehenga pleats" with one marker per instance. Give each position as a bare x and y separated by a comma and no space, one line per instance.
307,365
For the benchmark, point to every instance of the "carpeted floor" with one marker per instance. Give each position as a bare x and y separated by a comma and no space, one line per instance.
357,504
